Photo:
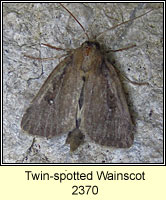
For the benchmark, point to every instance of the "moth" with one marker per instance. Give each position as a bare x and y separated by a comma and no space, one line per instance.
83,95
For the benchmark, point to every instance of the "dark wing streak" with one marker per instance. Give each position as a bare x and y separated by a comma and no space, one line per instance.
88,106
118,91
49,116
38,124
52,120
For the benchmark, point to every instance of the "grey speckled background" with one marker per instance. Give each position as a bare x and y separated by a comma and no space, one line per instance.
27,25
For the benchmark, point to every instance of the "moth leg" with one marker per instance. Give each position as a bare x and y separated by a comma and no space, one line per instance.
33,142
125,48
57,48
133,82
43,59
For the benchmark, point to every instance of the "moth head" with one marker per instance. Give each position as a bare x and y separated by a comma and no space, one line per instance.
90,50
91,44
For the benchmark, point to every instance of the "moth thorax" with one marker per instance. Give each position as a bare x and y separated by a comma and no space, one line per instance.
91,56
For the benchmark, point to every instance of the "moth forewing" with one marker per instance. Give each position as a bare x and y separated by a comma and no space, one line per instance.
106,117
52,111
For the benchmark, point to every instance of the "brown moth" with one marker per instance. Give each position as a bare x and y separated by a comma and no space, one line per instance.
82,95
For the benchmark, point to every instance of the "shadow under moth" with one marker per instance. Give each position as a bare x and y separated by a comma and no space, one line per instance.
82,95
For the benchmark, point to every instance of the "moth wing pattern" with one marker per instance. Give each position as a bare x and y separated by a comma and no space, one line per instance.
53,109
106,117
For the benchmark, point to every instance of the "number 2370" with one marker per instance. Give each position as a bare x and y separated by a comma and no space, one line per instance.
81,190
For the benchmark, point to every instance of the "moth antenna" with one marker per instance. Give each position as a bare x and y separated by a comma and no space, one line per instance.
75,19
125,22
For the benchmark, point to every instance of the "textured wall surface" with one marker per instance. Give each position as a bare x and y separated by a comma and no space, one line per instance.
27,25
